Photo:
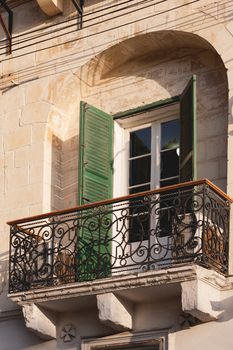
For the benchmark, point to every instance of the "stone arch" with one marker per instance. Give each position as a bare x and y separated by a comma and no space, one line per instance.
158,65
141,70
138,47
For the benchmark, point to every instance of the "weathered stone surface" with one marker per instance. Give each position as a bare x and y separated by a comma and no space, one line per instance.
118,61
18,138
39,321
108,285
203,297
114,312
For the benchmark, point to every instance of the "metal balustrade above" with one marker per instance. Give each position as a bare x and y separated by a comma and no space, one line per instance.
152,230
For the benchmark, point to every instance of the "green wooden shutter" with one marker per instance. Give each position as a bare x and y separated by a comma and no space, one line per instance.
95,184
96,155
188,168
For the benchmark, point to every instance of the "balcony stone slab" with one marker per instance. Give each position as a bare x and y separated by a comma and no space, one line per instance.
120,283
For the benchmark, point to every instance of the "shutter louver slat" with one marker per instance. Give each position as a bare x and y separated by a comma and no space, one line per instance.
95,184
97,155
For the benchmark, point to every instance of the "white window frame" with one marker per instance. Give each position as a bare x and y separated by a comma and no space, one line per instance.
119,341
122,128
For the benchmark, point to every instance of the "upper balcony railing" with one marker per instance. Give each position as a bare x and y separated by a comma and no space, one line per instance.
157,229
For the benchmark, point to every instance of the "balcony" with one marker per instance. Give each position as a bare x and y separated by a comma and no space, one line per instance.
155,230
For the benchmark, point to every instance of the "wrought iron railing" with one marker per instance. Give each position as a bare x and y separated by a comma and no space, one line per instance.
152,230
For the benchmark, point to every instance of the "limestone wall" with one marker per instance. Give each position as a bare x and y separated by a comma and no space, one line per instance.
119,60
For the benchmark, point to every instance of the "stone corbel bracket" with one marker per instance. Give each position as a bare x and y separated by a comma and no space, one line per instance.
42,322
114,312
203,297
51,7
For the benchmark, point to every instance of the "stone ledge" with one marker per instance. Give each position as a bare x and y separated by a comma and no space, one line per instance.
10,315
107,285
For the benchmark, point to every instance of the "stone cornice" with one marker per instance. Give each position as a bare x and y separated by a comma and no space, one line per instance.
10,315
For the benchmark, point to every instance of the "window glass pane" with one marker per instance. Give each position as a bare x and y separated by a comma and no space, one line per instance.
140,142
169,164
139,170
170,134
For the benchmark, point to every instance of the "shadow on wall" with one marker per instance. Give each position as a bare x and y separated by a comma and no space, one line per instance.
195,21
13,332
231,114
36,17
225,308
6,305
4,261
64,180
21,22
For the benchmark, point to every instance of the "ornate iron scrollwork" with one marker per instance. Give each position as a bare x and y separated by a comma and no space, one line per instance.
141,232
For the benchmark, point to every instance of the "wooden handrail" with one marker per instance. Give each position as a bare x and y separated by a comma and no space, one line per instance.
217,190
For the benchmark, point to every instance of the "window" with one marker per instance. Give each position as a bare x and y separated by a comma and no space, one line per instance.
131,341
97,137
151,160
152,155
153,146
